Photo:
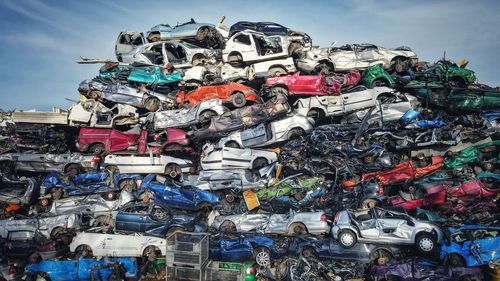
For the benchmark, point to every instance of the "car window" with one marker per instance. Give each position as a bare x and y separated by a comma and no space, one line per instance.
142,209
243,39
20,235
158,213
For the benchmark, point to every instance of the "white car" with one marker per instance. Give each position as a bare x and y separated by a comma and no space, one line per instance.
87,244
292,126
213,158
161,164
385,112
48,226
318,107
91,113
352,57
185,117
269,68
178,53
248,47
91,205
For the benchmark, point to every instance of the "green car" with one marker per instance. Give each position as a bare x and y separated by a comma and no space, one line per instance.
287,187
375,76
474,154
442,74
473,99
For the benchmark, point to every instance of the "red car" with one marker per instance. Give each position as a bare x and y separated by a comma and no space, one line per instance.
321,85
403,172
236,94
442,196
132,141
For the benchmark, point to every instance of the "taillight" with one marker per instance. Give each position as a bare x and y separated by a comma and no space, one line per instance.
251,270
96,159
323,218
337,216
12,269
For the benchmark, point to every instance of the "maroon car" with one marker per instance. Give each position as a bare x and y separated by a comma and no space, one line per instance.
321,85
134,141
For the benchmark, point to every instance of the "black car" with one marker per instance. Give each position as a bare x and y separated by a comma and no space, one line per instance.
331,249
154,220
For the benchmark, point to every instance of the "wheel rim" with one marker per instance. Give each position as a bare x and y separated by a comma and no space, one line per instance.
347,239
298,229
426,244
263,259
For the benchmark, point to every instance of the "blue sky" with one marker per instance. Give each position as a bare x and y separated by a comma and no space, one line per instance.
41,40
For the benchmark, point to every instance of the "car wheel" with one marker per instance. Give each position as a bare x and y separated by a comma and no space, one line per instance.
154,38
206,116
369,203
7,168
56,193
347,238
276,71
113,169
322,68
109,196
235,60
232,144
175,229
315,114
297,229
97,148
128,185
454,260
262,256
150,253
238,99
380,83
202,34
295,133
95,95
293,48
426,243
172,170
259,163
308,252
381,257
228,227
72,169
152,104
56,232
84,251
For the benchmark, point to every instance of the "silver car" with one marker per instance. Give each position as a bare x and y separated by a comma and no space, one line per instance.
118,93
292,126
48,226
231,179
352,57
228,158
392,110
378,225
91,205
69,163
185,117
293,223
178,53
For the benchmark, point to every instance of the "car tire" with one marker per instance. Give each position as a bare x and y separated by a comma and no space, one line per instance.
34,258
262,256
297,228
426,243
232,144
206,116
72,169
238,99
228,227
276,71
109,196
295,133
308,252
347,238
172,170
202,33
97,148
381,257
128,185
150,253
454,260
83,251
7,168
259,163
152,104
369,203
95,95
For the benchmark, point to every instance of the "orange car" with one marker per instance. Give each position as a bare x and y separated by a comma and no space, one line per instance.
234,93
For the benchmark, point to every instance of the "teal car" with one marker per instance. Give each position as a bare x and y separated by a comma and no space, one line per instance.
442,74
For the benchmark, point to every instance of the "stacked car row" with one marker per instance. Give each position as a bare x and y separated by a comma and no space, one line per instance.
337,161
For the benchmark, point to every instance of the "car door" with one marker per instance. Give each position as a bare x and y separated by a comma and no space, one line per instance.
367,225
343,59
333,104
252,222
307,84
395,228
132,219
245,45
127,41
121,141
278,223
236,158
353,101
257,135
366,55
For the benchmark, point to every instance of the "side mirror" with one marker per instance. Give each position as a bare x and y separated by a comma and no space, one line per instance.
410,222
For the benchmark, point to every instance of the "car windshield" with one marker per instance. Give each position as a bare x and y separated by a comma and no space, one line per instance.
21,235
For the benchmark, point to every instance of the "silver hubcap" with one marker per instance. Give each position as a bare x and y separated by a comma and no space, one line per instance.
347,239
426,244
263,259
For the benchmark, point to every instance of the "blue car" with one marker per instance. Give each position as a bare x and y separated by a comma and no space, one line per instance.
154,220
260,248
56,185
85,269
471,245
168,193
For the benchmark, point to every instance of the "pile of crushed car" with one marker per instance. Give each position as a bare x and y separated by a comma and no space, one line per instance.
297,162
